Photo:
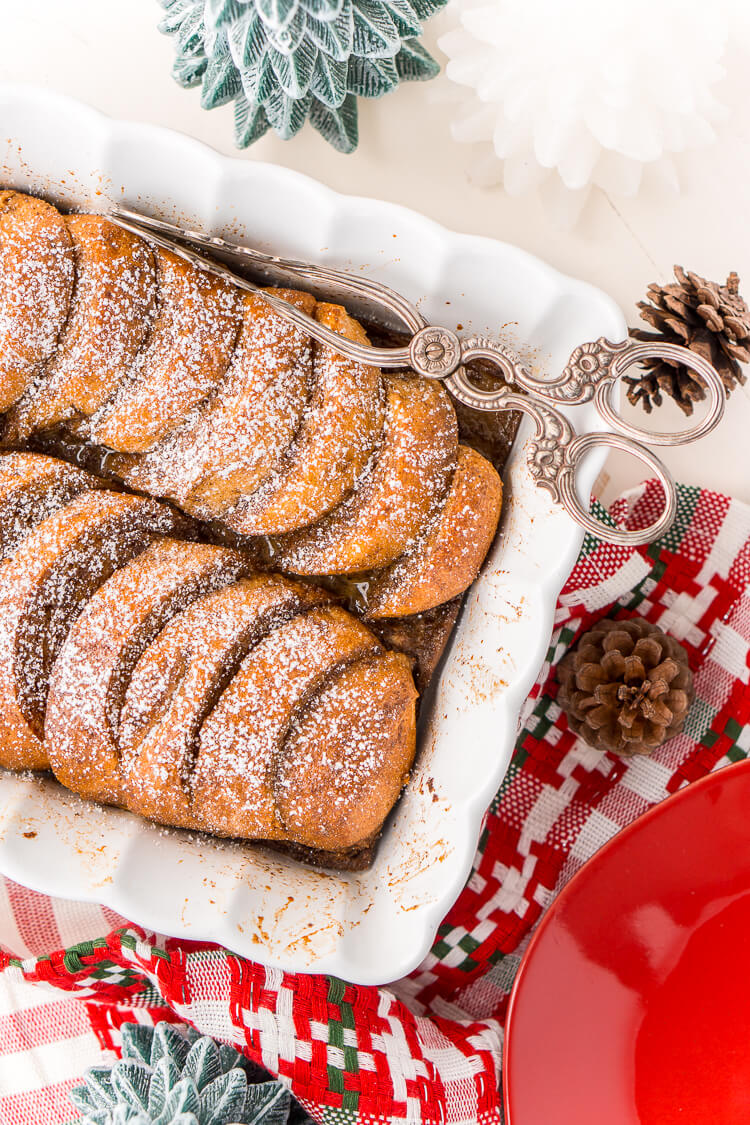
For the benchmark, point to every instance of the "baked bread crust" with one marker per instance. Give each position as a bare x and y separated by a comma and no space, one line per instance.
36,284
178,681
188,351
32,487
231,445
240,740
422,638
339,431
111,311
365,718
451,548
392,503
90,677
44,585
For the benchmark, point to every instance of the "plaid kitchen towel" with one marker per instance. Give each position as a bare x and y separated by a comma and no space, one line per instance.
427,1049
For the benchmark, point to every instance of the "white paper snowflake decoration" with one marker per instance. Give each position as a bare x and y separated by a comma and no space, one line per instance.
565,96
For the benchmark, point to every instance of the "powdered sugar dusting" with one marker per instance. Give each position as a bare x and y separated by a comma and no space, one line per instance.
113,305
234,414
240,738
348,753
48,579
228,445
32,487
94,668
36,282
156,675
178,680
447,555
188,351
261,429
406,481
340,429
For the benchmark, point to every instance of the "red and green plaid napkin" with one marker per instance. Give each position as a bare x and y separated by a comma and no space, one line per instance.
428,1048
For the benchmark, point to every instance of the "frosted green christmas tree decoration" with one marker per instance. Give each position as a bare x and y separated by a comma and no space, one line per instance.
168,1077
283,62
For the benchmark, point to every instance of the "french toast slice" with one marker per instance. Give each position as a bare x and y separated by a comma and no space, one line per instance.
179,678
32,487
445,559
111,311
187,353
232,781
392,503
36,285
340,429
363,726
90,677
230,444
44,585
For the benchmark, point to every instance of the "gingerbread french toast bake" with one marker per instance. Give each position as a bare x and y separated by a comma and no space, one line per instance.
150,670
172,638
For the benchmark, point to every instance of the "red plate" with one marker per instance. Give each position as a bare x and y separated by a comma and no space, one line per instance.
632,1003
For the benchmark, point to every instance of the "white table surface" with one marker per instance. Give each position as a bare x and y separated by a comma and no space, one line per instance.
111,56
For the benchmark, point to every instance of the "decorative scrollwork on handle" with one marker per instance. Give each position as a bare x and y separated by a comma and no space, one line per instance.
548,452
589,366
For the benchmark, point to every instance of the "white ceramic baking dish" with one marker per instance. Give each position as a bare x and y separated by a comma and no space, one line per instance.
373,926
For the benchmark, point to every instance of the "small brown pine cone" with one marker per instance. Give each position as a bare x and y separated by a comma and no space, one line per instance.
626,687
710,319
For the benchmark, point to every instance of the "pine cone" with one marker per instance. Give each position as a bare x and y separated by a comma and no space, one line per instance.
626,687
710,319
